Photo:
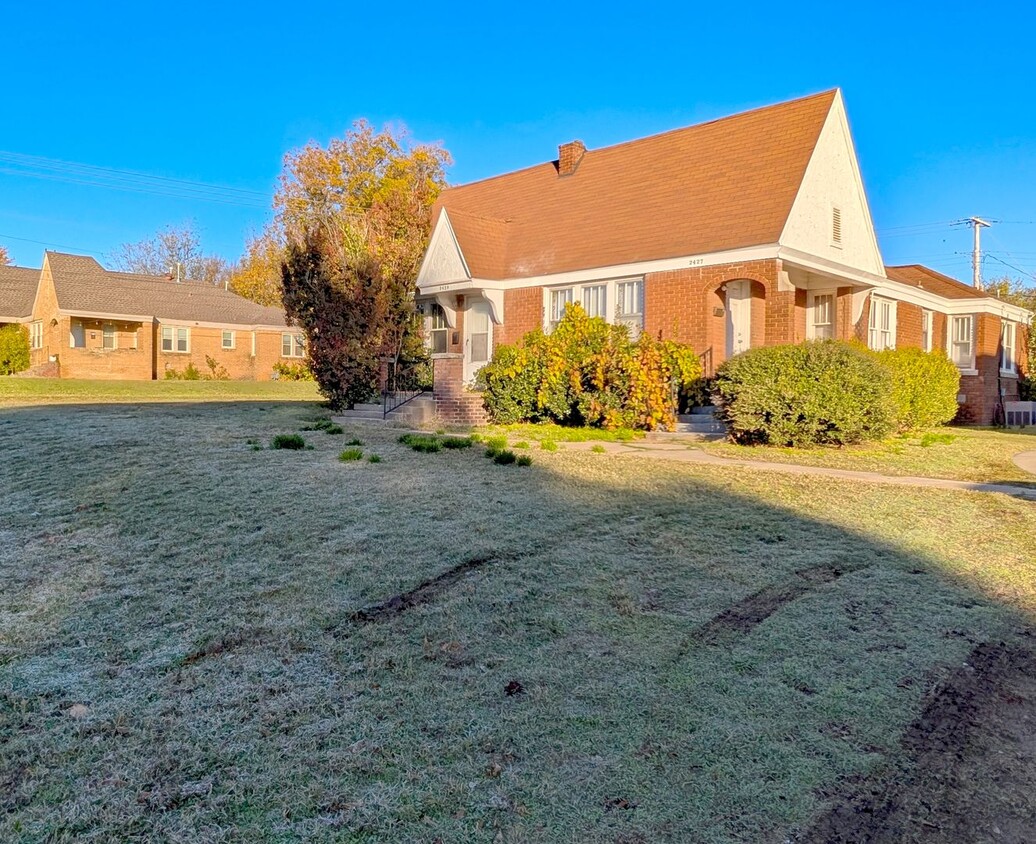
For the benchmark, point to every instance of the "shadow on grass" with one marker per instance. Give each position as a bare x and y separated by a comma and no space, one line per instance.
196,600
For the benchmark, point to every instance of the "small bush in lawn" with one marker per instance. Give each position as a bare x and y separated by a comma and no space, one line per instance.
351,454
522,444
549,445
294,442
457,442
334,430
924,387
14,349
494,445
425,443
354,441
930,439
374,458
597,449
816,393
505,457
524,460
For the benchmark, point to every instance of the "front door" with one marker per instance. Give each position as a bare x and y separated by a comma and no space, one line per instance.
478,338
739,317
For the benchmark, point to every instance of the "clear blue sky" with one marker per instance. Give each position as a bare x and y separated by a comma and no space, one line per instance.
941,98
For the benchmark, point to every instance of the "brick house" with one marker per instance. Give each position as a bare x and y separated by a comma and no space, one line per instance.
747,231
88,322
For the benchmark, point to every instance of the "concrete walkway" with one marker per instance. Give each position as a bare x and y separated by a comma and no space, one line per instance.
684,453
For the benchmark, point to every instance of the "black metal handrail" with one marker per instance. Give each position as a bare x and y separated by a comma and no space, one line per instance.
705,359
405,385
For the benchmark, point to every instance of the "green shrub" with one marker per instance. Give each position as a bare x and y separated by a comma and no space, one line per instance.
426,443
374,458
354,441
457,442
505,457
930,439
549,445
294,442
597,449
334,430
522,444
524,460
813,393
351,454
924,387
189,373
14,349
588,372
1027,388
494,445
292,372
217,371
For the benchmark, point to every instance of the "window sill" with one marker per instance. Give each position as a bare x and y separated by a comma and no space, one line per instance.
969,372
1005,373
168,352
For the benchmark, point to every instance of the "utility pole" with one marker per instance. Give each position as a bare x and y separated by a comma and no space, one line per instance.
977,224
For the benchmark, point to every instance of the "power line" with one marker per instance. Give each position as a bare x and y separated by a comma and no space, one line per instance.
48,243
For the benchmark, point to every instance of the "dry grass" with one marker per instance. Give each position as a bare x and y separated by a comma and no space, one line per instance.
181,657
965,454
35,391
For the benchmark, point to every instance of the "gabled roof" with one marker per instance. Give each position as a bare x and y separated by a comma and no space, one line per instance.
17,292
720,185
928,279
83,286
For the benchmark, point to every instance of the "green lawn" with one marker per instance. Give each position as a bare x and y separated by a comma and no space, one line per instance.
966,454
35,391
197,641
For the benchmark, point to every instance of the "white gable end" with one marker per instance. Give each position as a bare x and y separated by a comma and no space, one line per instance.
830,217
443,262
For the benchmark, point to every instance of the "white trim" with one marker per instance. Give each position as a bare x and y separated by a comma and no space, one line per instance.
222,339
927,337
105,326
443,229
294,346
611,298
472,368
970,369
614,272
873,326
1010,349
36,335
174,339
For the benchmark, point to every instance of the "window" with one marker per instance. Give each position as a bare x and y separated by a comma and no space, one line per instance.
36,335
836,226
962,345
1007,364
108,336
629,305
558,300
228,339
293,346
881,333
822,316
926,330
595,300
438,330
176,338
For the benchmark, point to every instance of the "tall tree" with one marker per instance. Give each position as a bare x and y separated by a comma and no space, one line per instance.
170,249
356,217
1017,292
257,276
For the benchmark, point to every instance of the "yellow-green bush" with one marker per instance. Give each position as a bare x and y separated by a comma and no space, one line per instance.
588,372
14,349
924,387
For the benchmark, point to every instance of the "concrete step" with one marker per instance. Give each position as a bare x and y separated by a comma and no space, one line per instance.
681,437
415,412
704,410
701,428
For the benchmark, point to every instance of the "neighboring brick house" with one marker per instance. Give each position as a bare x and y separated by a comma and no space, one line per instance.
88,322
747,231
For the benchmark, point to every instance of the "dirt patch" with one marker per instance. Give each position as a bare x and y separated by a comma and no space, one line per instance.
743,616
420,594
969,766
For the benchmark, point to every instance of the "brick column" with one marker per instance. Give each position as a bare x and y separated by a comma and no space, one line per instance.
454,403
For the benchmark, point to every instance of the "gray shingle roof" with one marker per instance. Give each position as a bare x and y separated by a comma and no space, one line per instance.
17,292
84,286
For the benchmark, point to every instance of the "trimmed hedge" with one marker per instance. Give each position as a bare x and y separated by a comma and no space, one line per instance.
588,372
924,387
826,393
14,349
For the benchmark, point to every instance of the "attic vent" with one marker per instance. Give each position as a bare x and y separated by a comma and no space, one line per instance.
836,226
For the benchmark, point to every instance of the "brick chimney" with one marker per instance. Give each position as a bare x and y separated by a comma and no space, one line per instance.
569,156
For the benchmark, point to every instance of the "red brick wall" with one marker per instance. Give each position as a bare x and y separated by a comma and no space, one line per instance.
239,362
523,311
454,403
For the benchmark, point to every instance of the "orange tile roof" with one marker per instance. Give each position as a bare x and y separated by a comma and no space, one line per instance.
720,185
924,278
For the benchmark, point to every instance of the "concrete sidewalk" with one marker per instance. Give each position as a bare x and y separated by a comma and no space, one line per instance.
684,453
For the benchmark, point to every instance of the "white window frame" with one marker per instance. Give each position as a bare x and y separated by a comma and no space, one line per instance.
296,344
615,294
598,292
436,326
108,330
811,309
223,339
881,335
173,338
927,329
1008,337
36,335
966,367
